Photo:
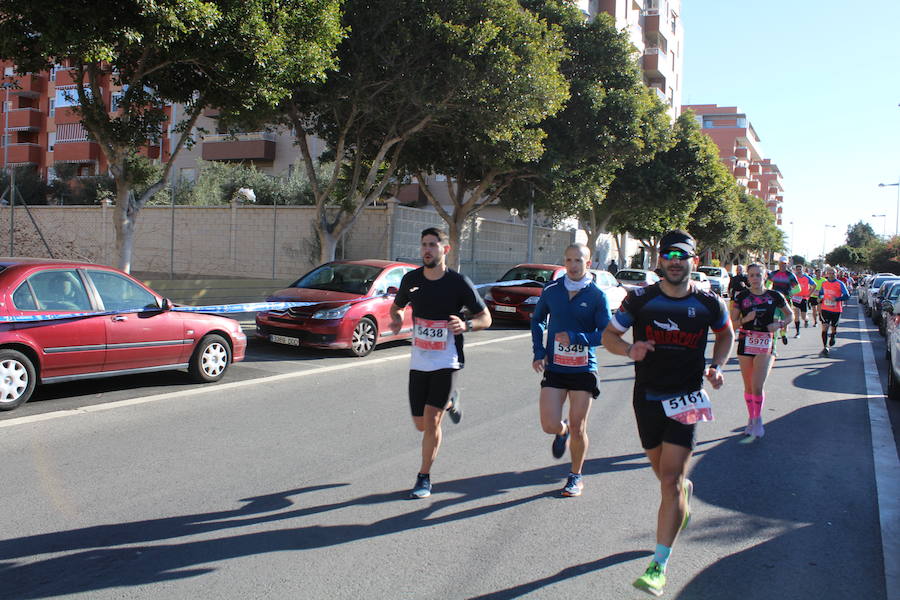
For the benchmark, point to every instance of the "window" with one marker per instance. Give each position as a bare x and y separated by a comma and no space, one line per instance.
51,141
68,96
71,132
23,299
120,293
59,290
52,111
392,279
8,72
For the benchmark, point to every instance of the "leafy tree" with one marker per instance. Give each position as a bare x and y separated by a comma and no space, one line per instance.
848,256
860,235
507,83
885,258
756,231
30,188
224,53
651,198
610,120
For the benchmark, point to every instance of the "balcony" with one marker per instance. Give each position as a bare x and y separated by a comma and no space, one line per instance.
755,169
753,185
655,63
651,22
661,95
740,172
26,119
76,152
25,154
742,152
244,146
27,85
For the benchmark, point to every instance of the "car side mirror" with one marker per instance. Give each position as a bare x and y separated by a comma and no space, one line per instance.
391,291
166,304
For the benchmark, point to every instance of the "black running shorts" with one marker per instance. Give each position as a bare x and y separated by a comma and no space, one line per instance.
654,427
433,388
801,306
582,382
813,301
830,317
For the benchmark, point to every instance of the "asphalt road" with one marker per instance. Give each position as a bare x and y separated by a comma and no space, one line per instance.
288,480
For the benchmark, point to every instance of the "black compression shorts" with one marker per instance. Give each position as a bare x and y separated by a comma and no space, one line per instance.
654,427
830,317
801,306
433,388
813,301
583,382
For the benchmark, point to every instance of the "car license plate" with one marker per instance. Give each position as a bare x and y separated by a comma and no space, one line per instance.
500,308
283,339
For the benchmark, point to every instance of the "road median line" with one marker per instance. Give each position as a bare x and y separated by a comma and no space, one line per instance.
92,408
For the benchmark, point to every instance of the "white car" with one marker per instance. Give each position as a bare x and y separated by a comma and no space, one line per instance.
701,281
874,286
718,279
615,291
634,278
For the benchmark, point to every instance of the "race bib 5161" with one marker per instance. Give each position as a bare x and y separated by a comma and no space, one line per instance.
690,408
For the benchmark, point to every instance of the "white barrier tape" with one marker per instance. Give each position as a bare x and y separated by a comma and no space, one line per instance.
213,308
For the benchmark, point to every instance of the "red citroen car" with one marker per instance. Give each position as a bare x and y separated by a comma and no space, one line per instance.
352,299
143,335
517,302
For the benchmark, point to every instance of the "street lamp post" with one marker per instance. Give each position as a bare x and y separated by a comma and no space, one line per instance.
883,225
791,223
897,221
824,237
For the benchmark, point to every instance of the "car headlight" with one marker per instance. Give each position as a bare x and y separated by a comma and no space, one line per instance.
531,300
332,313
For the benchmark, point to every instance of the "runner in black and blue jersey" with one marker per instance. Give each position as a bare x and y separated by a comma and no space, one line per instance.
784,282
574,312
670,321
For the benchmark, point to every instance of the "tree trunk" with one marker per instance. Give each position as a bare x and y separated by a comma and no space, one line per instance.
454,232
124,218
327,243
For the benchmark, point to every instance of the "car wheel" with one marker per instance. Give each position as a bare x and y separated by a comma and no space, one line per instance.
363,339
17,379
893,384
211,359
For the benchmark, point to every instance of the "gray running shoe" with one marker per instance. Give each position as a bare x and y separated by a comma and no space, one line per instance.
455,410
422,489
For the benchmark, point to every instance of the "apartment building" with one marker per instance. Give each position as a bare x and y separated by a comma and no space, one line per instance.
655,29
40,128
740,150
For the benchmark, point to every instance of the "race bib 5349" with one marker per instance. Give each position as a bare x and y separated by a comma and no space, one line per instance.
571,355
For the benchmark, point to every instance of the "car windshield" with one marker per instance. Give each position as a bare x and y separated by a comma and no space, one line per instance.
340,277
711,271
879,280
631,275
696,275
532,273
894,292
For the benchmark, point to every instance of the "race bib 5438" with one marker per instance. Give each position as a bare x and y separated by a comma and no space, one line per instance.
430,335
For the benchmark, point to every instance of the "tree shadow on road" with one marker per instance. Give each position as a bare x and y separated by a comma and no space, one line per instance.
120,554
816,519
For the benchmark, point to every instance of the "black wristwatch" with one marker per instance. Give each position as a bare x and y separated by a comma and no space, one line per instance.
715,366
469,325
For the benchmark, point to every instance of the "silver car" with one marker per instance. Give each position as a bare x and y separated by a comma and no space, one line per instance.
718,279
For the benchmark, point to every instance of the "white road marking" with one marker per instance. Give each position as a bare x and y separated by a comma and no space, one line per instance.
223,387
887,465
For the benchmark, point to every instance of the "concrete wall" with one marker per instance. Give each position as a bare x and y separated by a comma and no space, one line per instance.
261,242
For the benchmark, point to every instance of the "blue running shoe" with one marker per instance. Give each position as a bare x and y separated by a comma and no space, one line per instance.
560,441
422,488
574,485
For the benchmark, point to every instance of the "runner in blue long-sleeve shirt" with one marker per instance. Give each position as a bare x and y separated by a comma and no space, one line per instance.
574,312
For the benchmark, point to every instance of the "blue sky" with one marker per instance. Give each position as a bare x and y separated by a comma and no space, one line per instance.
820,82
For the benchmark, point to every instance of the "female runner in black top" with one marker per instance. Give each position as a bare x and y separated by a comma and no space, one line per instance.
753,315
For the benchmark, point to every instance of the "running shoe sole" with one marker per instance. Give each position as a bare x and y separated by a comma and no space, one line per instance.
642,584
455,410
558,448
572,493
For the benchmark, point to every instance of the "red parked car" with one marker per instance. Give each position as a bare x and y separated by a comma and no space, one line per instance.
517,302
144,335
353,296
